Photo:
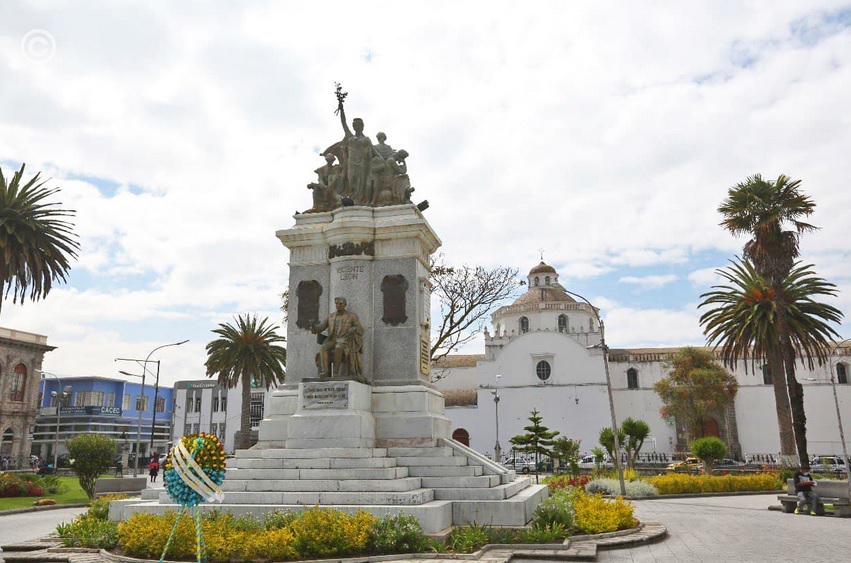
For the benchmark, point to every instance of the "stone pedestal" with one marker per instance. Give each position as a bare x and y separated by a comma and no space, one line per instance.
335,414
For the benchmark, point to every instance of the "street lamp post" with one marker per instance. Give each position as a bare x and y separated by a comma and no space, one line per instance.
59,394
605,349
142,401
838,415
497,450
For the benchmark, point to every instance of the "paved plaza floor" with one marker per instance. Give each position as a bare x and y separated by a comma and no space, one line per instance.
736,528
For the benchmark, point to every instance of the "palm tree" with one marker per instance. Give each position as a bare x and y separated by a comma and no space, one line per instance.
763,210
748,316
36,242
246,353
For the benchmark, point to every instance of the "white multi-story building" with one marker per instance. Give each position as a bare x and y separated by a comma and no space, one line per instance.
545,353
205,406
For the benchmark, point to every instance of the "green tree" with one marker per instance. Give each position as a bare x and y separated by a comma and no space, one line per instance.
748,315
37,243
635,432
566,450
92,455
695,388
248,353
771,214
538,439
709,449
607,440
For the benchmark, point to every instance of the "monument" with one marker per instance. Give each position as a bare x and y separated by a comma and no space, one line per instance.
357,424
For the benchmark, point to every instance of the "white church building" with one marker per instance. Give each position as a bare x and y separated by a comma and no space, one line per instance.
544,353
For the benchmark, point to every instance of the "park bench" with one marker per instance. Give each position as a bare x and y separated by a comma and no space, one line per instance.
831,492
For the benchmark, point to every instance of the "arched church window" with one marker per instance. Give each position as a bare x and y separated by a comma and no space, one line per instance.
841,374
543,370
19,383
547,280
766,375
590,325
562,323
524,325
632,378
537,281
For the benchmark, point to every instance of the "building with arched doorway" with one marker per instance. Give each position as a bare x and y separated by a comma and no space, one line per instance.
21,354
544,353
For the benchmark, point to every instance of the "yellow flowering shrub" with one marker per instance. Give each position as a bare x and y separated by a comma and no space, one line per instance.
324,532
682,483
595,515
144,536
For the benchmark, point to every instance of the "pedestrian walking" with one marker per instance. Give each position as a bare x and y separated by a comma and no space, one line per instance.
154,469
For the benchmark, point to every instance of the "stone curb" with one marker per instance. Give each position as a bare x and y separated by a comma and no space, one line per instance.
698,495
40,508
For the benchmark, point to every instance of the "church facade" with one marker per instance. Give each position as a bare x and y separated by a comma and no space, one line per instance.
544,353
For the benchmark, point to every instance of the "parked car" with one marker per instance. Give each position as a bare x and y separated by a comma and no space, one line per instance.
690,463
588,462
728,463
828,464
520,465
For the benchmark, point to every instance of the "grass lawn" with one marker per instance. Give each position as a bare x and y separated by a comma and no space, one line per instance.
73,495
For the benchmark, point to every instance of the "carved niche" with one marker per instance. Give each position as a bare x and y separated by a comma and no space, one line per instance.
394,289
308,293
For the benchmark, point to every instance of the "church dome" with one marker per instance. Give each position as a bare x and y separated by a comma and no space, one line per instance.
542,268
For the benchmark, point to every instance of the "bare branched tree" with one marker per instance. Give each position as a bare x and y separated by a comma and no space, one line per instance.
466,295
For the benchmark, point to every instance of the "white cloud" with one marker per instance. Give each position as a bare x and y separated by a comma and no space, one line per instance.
649,281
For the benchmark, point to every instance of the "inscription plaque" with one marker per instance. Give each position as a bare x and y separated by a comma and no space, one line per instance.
394,288
425,355
325,395
308,293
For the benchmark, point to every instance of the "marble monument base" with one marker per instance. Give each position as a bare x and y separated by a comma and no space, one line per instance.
332,414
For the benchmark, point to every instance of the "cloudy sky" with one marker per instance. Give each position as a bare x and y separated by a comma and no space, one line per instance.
603,134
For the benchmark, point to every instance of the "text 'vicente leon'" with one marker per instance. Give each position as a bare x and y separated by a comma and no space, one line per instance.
350,272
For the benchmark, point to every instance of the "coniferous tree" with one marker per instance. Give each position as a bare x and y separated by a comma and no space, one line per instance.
538,439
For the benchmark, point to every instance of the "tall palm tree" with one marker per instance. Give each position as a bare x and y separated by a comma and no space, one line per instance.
748,315
764,210
37,244
248,353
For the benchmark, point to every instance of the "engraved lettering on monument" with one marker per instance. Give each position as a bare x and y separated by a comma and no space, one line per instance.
308,293
320,395
394,289
350,272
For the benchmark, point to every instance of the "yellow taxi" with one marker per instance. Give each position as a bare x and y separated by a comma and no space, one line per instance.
690,463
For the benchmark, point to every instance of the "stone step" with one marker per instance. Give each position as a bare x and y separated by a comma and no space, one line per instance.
151,494
482,481
331,463
336,474
500,492
414,497
414,461
292,453
435,451
322,485
514,511
441,471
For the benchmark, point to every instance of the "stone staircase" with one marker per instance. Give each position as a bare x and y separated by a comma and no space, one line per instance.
448,484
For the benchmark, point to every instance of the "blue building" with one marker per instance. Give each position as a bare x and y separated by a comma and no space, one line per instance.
70,406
